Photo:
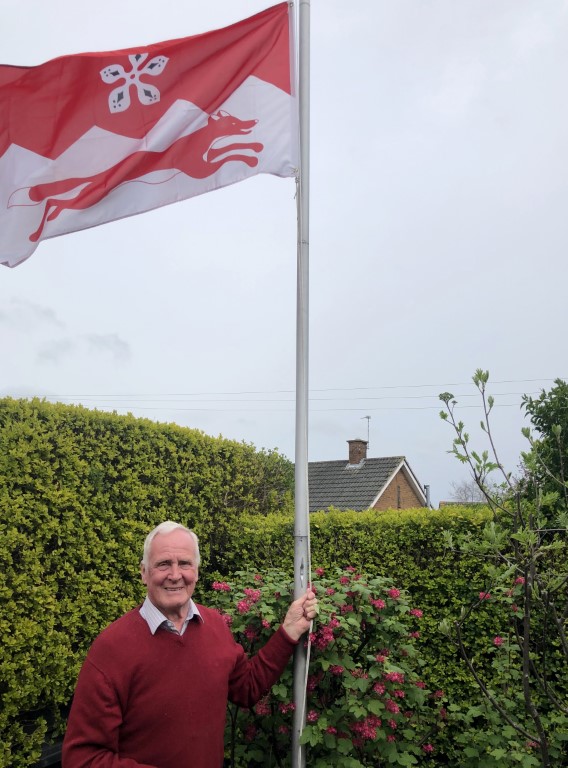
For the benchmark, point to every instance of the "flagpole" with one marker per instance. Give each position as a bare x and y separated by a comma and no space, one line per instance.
302,567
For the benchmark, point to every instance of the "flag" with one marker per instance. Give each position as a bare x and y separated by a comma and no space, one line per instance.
90,138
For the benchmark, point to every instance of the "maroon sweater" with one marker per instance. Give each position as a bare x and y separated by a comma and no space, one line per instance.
160,700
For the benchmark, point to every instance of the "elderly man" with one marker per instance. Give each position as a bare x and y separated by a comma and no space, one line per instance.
153,690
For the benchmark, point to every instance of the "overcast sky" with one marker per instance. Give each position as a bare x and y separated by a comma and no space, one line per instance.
438,240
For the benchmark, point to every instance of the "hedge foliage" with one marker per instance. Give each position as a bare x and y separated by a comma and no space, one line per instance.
79,490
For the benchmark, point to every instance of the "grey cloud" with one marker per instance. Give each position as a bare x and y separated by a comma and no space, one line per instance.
109,343
26,315
56,351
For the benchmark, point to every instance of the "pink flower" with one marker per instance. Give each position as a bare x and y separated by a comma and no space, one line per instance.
519,580
253,595
313,681
346,609
392,706
265,624
320,571
485,595
420,684
283,729
416,612
395,677
258,577
391,737
330,591
378,604
344,580
514,608
286,707
443,713
331,729
336,669
498,641
398,694
379,688
262,707
366,729
415,635
439,694
243,606
394,593
227,619
312,716
251,634
380,658
428,748
350,568
392,724
221,586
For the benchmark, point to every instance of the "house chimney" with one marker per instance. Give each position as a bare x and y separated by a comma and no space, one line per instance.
357,451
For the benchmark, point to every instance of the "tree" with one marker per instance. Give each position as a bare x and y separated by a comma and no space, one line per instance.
547,459
467,492
524,560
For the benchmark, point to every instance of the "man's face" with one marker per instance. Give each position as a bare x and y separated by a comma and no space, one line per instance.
171,574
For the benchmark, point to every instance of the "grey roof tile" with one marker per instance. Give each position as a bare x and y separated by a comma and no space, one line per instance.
349,486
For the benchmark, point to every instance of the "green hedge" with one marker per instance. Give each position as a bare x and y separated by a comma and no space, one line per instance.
79,490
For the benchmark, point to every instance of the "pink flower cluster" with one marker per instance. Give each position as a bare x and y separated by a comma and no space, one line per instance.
395,677
263,707
336,669
416,612
394,593
320,572
221,586
314,681
378,603
366,729
428,748
253,595
485,595
312,716
498,641
323,637
392,706
287,707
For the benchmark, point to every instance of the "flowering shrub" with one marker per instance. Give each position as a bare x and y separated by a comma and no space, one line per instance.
367,704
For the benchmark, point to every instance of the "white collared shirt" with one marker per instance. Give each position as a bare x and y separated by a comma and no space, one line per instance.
156,619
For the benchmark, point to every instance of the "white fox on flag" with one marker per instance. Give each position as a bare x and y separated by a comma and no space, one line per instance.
90,138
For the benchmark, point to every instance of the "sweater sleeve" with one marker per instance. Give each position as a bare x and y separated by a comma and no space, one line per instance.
252,678
92,736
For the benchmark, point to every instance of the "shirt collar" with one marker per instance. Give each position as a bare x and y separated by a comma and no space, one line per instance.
155,618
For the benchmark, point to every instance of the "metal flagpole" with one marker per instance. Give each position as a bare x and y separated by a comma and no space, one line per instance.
302,571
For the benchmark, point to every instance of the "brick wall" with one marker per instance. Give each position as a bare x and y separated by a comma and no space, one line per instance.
399,495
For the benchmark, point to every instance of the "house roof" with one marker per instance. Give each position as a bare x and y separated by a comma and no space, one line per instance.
355,486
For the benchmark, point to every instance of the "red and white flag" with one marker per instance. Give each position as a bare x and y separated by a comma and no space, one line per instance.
91,138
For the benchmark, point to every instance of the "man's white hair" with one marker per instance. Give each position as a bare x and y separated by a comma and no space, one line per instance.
167,527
